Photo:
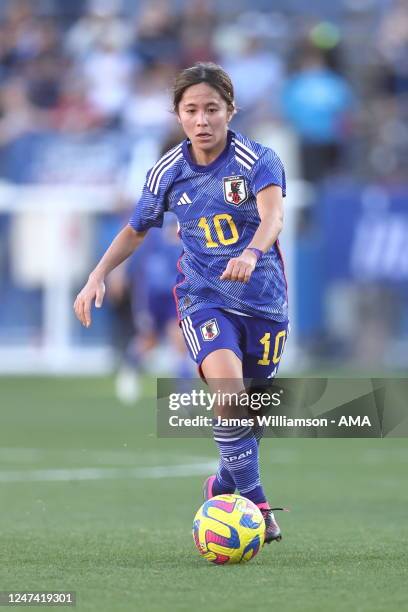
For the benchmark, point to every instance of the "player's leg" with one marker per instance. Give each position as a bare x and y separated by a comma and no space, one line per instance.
225,365
236,442
213,338
263,348
204,332
219,336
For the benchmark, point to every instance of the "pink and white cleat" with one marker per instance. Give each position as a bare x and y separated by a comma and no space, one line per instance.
272,530
207,487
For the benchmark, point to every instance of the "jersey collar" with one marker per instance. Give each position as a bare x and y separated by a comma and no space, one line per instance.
214,164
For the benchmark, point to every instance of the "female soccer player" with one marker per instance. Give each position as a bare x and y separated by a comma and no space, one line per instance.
226,192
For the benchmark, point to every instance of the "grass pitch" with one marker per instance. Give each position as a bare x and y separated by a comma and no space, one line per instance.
86,506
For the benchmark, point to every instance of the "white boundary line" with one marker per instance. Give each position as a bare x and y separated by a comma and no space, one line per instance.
108,457
150,473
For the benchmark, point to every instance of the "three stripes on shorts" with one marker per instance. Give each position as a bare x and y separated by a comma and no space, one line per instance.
190,335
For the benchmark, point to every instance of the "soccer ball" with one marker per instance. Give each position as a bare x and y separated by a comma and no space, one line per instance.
228,529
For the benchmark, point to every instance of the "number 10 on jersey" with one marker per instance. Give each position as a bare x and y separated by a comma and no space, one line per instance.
218,224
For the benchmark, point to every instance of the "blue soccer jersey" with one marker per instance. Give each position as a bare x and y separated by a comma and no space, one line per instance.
216,209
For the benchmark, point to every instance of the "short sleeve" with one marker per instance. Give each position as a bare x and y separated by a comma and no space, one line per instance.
148,212
268,170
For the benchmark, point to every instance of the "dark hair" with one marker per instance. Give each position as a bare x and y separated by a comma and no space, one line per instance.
204,72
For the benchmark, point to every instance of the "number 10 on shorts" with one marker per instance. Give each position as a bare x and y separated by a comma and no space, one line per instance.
278,348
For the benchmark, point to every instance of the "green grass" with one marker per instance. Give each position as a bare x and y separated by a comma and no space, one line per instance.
123,543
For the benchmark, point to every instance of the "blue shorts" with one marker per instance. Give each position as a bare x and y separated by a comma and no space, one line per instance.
258,342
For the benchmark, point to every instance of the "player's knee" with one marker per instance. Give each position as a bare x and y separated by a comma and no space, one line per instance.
231,403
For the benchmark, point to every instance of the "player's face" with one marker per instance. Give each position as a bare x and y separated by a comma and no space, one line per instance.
204,117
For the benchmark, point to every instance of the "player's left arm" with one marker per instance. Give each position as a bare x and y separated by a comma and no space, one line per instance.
270,209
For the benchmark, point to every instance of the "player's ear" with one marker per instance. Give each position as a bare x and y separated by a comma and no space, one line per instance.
231,113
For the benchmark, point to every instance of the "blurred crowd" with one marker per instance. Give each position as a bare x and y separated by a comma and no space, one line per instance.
338,86
85,98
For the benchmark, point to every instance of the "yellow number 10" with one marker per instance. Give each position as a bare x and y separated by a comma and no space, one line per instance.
203,223
278,348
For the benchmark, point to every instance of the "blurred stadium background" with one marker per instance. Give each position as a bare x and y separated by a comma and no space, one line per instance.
91,499
85,110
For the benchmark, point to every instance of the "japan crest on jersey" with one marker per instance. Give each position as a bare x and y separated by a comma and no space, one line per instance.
235,190
210,329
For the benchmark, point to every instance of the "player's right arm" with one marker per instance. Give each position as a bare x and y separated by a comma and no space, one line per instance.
148,213
125,243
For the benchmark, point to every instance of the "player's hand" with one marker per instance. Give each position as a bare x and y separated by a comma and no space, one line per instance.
240,268
93,290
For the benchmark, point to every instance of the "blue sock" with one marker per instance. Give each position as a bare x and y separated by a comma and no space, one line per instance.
239,451
224,482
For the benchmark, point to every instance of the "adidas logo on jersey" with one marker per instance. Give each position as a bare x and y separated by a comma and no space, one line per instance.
184,200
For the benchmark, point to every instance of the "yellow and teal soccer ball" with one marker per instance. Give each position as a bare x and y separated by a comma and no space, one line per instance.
228,529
